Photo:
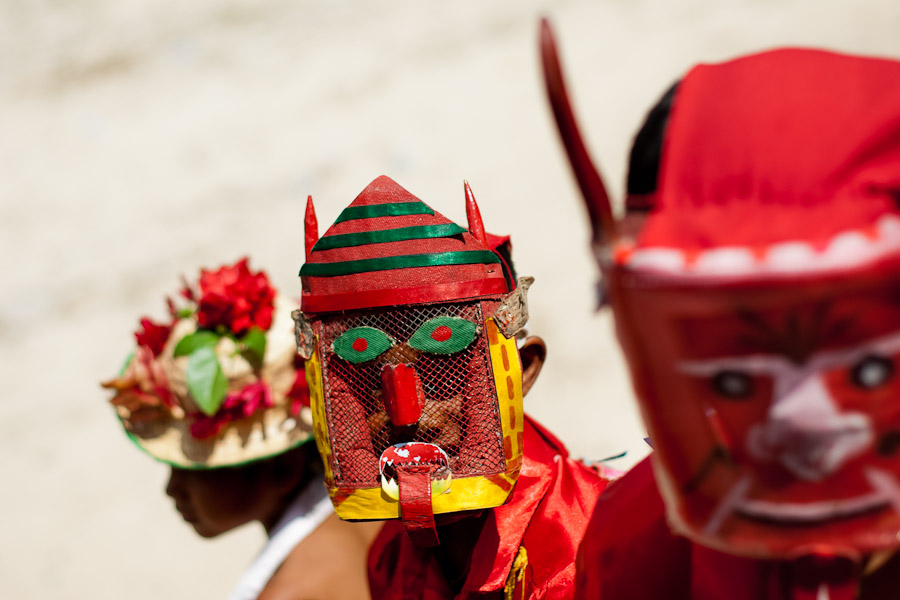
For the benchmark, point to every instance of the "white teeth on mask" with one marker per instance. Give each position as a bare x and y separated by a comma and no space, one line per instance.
390,488
441,486
790,256
412,455
725,260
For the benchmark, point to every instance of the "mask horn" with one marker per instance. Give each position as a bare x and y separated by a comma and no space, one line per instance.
310,226
589,180
476,226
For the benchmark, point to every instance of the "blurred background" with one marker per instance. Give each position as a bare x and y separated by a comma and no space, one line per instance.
141,140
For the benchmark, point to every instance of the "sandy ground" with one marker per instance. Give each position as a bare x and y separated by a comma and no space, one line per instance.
140,140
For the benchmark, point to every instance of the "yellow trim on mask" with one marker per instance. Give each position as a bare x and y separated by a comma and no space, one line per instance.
317,404
470,493
507,368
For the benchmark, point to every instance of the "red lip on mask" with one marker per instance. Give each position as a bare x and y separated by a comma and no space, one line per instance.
400,457
412,474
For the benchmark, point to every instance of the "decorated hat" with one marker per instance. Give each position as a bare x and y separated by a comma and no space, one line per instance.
385,240
219,384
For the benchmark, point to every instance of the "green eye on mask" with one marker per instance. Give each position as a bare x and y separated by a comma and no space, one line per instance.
443,335
361,344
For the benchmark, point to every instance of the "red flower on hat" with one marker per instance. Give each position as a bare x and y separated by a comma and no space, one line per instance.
235,298
152,335
237,405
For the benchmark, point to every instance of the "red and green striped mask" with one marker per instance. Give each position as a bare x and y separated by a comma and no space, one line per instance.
389,248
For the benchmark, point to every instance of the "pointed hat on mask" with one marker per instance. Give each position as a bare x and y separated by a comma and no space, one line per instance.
389,248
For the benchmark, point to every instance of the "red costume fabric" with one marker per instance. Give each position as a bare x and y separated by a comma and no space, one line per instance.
546,515
630,553
816,157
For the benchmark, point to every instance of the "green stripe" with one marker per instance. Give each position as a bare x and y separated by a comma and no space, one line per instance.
396,209
400,234
408,261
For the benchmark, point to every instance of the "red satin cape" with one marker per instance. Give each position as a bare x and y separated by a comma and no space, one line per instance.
547,515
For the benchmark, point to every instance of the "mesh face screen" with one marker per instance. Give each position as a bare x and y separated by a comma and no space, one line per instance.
460,412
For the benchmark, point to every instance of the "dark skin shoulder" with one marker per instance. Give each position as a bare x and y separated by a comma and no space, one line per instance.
338,550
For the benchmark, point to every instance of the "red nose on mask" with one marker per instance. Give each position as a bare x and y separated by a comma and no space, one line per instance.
402,394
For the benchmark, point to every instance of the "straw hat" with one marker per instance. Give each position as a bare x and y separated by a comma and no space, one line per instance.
221,384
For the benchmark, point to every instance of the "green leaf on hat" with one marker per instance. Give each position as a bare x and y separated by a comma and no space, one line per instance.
205,379
192,341
254,342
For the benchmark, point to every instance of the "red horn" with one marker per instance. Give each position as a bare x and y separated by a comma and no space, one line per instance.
476,226
310,226
589,180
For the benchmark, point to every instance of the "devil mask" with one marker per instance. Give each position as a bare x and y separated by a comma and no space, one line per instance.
759,303
407,324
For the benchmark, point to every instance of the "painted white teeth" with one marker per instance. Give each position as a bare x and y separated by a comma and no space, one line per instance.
390,488
846,248
410,455
791,256
888,226
843,250
441,486
663,259
725,260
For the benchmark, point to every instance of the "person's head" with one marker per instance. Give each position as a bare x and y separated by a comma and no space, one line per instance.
214,501
217,392
758,304
408,327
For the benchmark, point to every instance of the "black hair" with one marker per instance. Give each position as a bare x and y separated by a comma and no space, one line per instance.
643,165
504,250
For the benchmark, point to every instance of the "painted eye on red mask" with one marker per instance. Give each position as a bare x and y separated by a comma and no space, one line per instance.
872,372
361,344
443,335
733,385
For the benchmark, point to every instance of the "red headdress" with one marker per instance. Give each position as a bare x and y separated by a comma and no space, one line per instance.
819,145
389,248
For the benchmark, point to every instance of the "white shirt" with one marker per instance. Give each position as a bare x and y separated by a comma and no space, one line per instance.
308,510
